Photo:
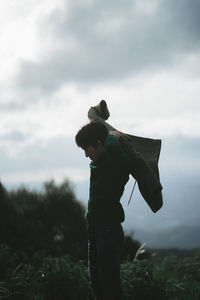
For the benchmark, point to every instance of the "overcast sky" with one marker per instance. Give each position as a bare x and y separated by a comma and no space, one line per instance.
59,57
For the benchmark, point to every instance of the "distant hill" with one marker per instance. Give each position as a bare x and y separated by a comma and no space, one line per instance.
184,237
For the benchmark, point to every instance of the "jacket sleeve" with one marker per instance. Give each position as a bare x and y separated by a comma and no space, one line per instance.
148,183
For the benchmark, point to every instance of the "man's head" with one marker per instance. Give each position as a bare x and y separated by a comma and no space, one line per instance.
91,139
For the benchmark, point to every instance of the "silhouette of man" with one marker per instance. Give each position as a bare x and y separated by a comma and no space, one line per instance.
110,169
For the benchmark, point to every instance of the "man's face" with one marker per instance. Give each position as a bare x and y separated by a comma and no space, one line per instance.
94,153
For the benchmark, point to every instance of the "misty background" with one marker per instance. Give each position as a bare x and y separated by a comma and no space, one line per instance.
60,57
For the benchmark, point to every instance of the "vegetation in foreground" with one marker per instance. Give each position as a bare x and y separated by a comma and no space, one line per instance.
43,253
44,277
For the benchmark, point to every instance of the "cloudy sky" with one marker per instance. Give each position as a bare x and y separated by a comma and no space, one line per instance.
59,57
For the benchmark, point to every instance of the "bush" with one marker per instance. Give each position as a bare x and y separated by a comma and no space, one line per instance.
180,278
47,277
172,279
138,281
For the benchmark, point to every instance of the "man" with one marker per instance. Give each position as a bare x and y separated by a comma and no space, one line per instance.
110,169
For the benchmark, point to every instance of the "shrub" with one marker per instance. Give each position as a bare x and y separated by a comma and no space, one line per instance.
51,220
47,278
138,282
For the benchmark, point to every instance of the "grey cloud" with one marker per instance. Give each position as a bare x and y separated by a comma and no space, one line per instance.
8,107
144,42
60,152
14,136
187,147
185,21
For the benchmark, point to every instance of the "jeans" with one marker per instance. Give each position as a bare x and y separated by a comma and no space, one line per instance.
104,246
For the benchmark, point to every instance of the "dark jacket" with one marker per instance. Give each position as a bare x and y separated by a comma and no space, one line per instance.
144,153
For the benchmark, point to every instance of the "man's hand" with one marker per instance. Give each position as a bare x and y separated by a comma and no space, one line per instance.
116,133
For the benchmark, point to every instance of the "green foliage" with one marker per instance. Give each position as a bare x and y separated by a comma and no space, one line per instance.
180,277
171,279
52,220
138,282
43,277
7,260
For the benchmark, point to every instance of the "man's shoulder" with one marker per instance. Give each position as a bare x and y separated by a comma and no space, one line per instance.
112,142
115,151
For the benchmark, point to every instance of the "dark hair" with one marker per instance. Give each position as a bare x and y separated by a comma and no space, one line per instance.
90,134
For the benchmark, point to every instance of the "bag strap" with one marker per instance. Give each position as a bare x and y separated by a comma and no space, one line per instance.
131,192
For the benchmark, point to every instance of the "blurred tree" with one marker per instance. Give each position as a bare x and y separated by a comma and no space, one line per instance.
52,220
64,220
